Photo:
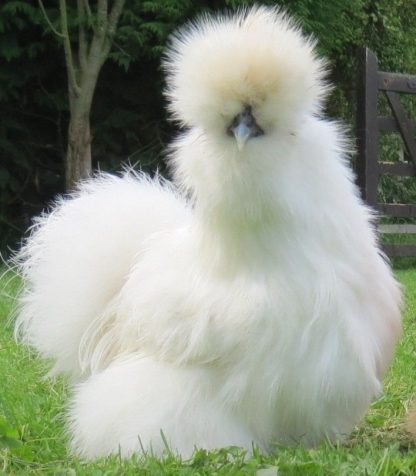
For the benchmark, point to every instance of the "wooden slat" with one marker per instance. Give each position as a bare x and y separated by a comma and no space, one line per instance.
399,250
403,123
397,229
367,132
400,83
397,168
399,210
387,124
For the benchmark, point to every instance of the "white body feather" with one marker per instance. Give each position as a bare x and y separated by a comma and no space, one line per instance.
264,313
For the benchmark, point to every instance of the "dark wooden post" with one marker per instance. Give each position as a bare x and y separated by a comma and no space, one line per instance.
369,126
367,131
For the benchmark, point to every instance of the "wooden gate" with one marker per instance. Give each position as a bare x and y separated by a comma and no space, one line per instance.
369,127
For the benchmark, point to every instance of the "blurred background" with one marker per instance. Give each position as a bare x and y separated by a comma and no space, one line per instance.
128,120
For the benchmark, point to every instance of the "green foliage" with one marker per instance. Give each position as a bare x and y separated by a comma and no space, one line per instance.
145,27
31,100
128,118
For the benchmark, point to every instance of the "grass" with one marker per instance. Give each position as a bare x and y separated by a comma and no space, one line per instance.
33,440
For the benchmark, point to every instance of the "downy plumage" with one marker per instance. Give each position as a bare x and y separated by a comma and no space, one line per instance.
248,302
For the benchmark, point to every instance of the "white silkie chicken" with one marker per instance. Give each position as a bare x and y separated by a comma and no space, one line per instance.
246,303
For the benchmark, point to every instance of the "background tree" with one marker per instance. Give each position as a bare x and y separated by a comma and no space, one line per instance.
96,31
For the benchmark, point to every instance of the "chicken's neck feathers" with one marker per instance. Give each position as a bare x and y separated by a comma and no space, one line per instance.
240,211
250,209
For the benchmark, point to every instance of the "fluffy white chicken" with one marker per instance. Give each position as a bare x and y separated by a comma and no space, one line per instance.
246,303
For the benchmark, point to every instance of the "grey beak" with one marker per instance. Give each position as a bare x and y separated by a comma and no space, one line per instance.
244,127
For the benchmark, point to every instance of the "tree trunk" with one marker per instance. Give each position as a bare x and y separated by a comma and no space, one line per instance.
78,163
82,72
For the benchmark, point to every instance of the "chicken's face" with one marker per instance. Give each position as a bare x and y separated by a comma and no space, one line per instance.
244,79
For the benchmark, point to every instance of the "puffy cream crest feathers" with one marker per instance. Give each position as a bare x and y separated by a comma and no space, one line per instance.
217,63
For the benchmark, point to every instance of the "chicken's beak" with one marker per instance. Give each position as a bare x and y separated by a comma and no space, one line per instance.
244,127
242,133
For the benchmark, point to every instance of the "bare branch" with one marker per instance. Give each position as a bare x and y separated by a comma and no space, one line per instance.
112,24
54,30
99,48
88,8
102,9
82,40
67,48
97,52
114,17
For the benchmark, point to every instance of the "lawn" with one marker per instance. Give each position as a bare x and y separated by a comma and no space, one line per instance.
33,441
